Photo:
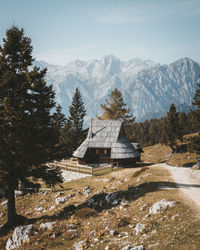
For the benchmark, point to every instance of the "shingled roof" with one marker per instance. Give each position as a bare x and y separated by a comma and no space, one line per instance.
106,134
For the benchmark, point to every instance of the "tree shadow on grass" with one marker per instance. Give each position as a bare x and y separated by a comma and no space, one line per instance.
102,200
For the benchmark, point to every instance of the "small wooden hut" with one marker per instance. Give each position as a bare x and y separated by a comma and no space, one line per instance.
106,143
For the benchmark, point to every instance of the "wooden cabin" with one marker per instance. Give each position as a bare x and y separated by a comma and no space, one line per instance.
106,143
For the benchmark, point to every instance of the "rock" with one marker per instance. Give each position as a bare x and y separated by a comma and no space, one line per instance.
79,192
143,207
139,228
112,199
70,195
4,203
39,208
128,247
176,215
147,216
79,245
113,232
161,205
61,200
47,225
87,190
52,207
18,193
126,179
138,248
20,235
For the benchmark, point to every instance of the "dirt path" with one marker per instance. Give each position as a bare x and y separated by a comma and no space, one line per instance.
189,181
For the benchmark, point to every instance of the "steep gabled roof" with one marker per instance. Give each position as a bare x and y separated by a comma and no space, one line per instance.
106,134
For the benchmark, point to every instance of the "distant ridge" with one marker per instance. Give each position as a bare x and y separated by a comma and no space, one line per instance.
147,87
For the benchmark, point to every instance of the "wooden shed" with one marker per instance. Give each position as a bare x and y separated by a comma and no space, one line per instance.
106,143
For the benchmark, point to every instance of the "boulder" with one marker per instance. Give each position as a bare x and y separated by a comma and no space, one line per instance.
18,193
39,208
87,190
20,235
79,245
161,205
139,228
61,200
128,247
47,225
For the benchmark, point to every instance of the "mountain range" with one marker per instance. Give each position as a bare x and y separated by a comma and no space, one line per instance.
148,88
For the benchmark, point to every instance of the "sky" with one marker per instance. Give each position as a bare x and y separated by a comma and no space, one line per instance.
65,30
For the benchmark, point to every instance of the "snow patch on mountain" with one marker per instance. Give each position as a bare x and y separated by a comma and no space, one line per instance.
147,87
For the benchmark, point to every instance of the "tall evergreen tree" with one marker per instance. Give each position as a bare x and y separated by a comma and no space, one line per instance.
172,127
58,123
26,132
195,141
73,133
115,108
196,103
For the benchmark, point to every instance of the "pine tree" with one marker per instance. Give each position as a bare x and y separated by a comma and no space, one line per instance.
196,103
73,133
58,123
195,141
26,132
115,108
172,127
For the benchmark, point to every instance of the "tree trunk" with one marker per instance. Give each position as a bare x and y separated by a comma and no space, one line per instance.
11,206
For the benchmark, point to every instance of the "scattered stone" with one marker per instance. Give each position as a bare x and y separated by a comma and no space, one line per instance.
4,203
176,215
143,207
20,235
138,179
161,205
87,190
52,207
126,179
18,193
39,208
112,198
147,216
128,247
79,245
47,225
79,192
96,239
138,248
61,200
70,195
113,232
139,228
154,231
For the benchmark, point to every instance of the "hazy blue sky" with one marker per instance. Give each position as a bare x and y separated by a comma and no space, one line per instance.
65,30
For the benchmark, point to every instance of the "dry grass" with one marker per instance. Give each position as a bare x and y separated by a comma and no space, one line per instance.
139,188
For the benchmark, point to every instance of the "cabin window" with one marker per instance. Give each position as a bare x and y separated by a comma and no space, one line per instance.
105,151
97,151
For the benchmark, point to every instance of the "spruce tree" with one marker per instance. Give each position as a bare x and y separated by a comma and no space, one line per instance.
58,123
195,141
172,128
26,132
73,133
196,103
116,109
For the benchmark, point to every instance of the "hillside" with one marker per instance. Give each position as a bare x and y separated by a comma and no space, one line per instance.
111,211
147,87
